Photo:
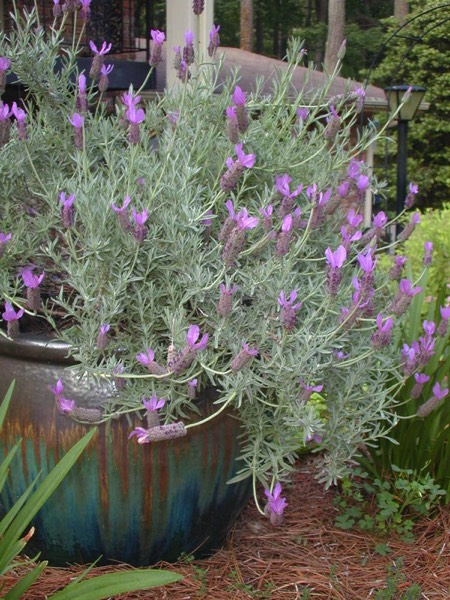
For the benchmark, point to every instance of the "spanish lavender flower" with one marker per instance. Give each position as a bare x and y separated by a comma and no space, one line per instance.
307,390
128,99
383,334
229,179
77,121
358,95
367,264
397,269
183,72
318,208
65,406
165,432
173,117
198,6
313,439
421,380
141,434
188,50
135,117
267,217
192,389
297,221
284,237
214,40
302,114
85,10
403,298
443,325
229,224
362,183
158,38
4,239
12,319
282,187
232,124
438,395
82,102
184,359
122,215
152,406
177,59
343,188
275,506
147,359
340,355
377,230
335,262
236,239
5,125
415,220
349,237
67,215
288,316
57,10
333,124
21,116
428,254
354,168
103,81
32,283
102,337
207,224
225,303
410,357
243,358
140,231
98,59
238,98
413,191
58,389
427,344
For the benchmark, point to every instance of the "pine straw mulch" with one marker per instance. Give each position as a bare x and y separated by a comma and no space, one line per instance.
308,557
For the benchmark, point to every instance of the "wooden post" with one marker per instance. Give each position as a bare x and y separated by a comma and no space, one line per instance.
181,18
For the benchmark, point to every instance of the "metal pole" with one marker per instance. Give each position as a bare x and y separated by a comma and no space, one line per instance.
402,151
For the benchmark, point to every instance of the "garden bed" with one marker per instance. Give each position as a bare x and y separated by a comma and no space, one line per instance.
308,557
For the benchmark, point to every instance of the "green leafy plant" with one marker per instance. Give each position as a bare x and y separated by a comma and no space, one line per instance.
199,243
18,518
386,506
419,443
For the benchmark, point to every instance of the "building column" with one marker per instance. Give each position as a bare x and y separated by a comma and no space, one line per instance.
181,18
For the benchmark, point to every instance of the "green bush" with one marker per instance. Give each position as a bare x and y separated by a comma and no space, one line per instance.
433,227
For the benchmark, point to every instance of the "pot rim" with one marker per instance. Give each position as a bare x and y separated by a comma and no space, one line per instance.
39,348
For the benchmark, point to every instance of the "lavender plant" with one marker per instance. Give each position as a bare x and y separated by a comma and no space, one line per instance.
199,241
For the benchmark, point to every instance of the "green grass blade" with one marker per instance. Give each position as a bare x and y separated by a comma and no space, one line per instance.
26,581
11,514
105,586
4,466
5,404
36,501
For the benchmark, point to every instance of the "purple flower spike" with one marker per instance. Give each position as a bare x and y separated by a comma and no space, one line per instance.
140,231
413,191
4,239
302,114
336,259
243,221
147,359
102,337
225,304
243,358
77,121
415,220
439,394
397,269
275,505
428,254
246,160
105,48
238,96
10,314
67,215
153,404
443,325
192,336
382,337
30,280
98,59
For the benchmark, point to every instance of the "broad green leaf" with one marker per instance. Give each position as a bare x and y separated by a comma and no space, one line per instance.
105,586
25,582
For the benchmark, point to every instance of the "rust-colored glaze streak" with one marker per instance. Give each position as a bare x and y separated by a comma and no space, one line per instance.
102,449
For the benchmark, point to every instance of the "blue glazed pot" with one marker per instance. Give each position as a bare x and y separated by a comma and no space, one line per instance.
123,501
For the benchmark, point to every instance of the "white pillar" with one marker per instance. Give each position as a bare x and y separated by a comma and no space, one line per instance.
181,18
367,222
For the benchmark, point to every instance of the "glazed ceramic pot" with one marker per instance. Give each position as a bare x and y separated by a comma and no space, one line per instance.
123,501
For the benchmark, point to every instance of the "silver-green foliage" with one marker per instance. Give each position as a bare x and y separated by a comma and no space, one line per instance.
151,292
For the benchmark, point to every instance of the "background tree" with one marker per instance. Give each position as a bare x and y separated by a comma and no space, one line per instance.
246,25
336,33
421,56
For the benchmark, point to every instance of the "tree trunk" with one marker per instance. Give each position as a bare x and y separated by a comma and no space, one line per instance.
336,33
246,25
401,10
